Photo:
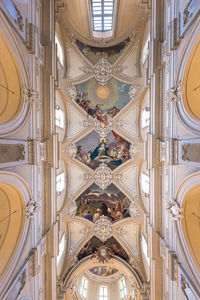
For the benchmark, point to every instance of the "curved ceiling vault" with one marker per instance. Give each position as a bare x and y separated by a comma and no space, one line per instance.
103,148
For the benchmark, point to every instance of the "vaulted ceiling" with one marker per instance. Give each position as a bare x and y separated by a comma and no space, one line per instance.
103,148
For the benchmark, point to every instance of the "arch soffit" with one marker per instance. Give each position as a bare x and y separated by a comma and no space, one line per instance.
20,187
87,263
188,121
188,184
18,121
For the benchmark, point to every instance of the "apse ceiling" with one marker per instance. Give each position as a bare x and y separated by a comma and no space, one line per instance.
103,149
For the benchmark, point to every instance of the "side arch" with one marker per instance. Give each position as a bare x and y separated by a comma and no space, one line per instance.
15,81
185,107
187,196
66,285
15,226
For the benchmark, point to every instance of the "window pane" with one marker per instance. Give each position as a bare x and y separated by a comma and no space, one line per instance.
104,9
60,119
145,118
60,182
145,183
61,248
122,288
144,249
83,289
60,54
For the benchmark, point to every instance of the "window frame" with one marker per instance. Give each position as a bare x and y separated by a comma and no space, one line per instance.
61,250
103,296
145,114
58,109
60,52
102,21
122,288
145,249
59,191
145,190
84,287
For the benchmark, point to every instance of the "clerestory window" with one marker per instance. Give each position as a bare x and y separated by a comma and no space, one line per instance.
122,288
102,15
103,293
60,183
60,117
84,286
144,250
146,117
61,248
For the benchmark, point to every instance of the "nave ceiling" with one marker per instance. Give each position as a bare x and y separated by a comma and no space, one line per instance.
102,150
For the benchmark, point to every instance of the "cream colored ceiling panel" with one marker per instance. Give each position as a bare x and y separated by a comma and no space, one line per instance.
129,65
77,233
129,179
75,122
129,235
129,122
74,65
77,178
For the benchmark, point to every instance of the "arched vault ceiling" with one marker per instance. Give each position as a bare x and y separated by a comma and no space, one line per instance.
103,149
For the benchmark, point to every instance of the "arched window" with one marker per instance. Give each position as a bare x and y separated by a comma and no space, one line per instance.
60,54
61,248
84,286
146,117
60,117
122,288
145,184
144,250
60,183
103,292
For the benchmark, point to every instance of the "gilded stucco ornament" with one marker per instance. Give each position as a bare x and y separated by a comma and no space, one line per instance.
134,90
134,211
101,128
70,150
103,253
174,209
103,228
31,208
71,91
71,210
102,71
103,176
134,150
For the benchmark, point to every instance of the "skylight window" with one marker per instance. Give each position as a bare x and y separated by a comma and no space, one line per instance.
102,15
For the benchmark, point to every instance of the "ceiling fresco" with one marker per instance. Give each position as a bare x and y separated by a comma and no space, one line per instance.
103,251
103,103
103,271
93,54
94,150
98,99
95,202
